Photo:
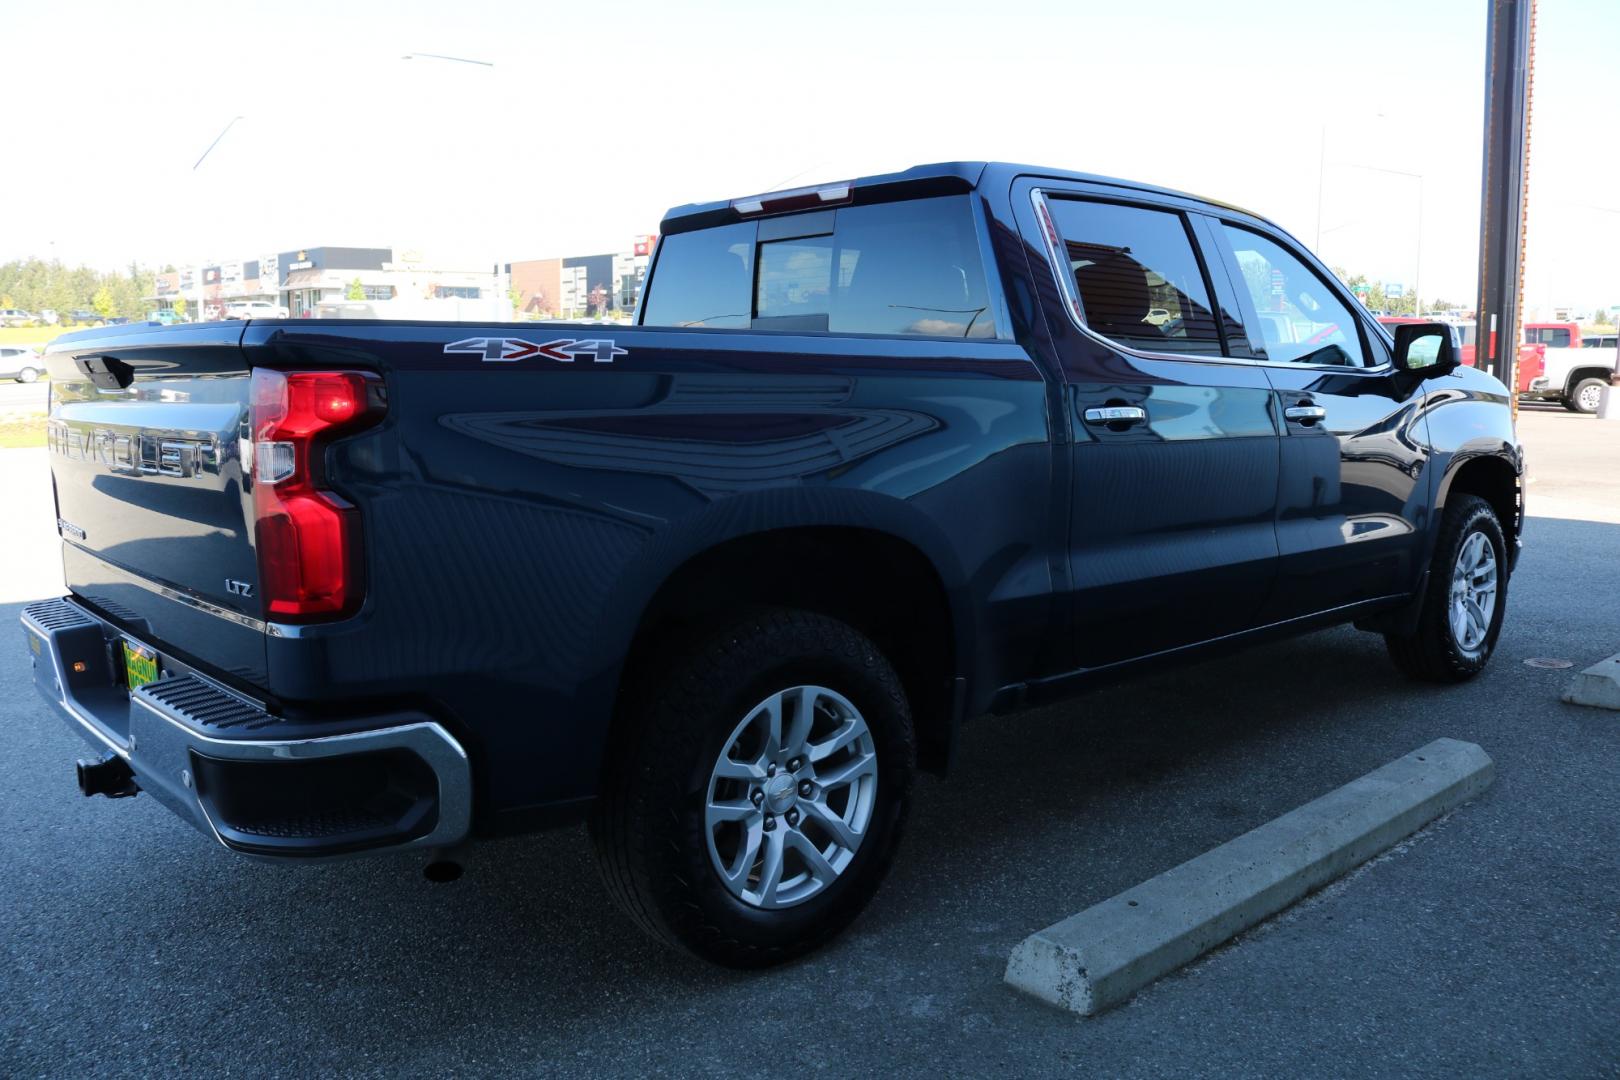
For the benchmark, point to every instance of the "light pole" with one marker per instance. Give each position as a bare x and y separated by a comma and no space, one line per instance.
201,296
502,303
1321,171
1417,273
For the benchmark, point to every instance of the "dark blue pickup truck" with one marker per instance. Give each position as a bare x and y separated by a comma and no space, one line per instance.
876,458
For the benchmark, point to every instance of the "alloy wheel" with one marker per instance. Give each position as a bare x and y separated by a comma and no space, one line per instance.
1473,593
790,797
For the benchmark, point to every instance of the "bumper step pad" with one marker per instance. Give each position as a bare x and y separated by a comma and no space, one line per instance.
204,705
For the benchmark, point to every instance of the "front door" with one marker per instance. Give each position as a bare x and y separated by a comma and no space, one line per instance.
1174,440
1353,498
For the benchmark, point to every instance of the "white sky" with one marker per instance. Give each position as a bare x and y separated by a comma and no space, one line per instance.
598,117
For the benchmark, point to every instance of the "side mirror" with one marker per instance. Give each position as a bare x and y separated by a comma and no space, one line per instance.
1426,349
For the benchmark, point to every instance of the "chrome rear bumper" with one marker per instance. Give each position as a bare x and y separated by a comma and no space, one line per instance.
224,763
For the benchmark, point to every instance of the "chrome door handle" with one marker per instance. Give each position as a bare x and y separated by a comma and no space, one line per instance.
1115,414
1305,414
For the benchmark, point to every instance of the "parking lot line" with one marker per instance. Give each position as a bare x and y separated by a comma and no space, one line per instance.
1103,955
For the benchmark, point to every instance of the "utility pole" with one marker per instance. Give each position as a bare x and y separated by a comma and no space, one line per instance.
202,295
503,303
1509,52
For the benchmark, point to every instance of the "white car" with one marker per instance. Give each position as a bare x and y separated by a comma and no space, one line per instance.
14,317
254,309
20,362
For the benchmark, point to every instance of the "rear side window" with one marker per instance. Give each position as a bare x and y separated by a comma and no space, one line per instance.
1139,281
903,268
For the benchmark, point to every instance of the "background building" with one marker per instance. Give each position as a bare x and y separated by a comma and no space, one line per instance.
582,286
303,278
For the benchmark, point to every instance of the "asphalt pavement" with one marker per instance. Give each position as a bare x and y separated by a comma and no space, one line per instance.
1489,944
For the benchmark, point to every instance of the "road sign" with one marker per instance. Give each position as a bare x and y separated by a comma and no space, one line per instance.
1395,290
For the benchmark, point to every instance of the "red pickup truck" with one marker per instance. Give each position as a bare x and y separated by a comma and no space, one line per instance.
1532,355
1554,335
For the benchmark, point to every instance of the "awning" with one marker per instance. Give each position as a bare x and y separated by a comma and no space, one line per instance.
308,279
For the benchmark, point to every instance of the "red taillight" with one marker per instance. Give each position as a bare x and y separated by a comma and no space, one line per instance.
308,538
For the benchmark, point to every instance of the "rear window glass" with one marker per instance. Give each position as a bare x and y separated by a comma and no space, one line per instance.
703,279
905,268
1556,337
1139,282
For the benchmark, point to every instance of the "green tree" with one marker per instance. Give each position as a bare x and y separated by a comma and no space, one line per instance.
515,296
356,291
180,306
104,303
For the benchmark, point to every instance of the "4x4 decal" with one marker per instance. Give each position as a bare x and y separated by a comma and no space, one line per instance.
567,350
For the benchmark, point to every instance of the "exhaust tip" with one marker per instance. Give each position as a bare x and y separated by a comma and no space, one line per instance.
110,776
442,871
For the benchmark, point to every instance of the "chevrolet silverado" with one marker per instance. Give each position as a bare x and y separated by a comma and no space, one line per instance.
876,459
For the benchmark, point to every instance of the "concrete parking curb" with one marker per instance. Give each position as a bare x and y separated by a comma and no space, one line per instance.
1597,686
1098,958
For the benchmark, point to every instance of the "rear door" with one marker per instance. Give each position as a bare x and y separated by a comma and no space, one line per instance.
1354,493
1174,443
146,436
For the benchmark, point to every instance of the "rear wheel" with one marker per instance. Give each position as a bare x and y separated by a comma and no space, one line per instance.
1586,396
758,790
27,375
1466,598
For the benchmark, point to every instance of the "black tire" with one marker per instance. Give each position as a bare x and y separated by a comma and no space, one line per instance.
648,825
27,375
1573,401
1432,653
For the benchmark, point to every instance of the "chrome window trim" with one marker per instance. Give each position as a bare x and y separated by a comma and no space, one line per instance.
1071,298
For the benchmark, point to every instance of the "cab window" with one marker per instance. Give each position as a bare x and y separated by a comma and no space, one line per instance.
1299,319
1138,279
899,268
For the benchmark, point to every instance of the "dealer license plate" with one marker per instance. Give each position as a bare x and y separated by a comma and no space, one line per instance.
140,665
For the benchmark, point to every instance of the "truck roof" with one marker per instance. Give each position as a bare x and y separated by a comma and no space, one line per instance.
940,178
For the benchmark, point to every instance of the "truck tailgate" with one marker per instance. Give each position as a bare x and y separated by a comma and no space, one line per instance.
147,434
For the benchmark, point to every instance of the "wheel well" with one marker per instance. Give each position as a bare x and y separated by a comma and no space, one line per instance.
1585,373
881,585
1492,479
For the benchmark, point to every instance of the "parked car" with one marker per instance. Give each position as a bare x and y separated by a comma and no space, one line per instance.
48,316
1531,362
254,309
1599,341
878,458
15,317
20,362
82,317
166,316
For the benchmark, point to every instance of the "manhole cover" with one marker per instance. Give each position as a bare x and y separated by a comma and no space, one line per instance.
1549,662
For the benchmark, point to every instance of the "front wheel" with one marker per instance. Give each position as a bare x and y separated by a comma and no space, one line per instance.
27,375
1465,601
758,789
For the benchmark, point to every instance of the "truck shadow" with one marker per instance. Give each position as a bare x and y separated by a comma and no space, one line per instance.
1047,812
